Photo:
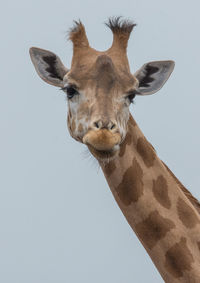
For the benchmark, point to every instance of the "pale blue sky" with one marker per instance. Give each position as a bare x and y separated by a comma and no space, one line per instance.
59,222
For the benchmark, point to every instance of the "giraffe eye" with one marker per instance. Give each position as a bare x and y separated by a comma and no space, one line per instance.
70,91
131,96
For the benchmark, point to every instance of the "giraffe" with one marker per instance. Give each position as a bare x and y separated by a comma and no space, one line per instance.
100,89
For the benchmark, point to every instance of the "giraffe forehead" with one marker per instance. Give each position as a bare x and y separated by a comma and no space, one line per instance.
100,71
105,74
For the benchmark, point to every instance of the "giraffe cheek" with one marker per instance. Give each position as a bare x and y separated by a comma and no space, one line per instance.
80,132
69,124
73,125
72,128
80,128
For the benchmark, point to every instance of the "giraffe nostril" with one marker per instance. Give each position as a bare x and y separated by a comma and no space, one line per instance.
104,125
113,126
96,125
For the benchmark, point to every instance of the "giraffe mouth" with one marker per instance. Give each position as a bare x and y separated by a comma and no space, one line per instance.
103,144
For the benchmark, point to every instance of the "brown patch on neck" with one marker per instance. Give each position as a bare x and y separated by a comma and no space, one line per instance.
198,244
146,151
153,229
191,198
129,136
178,258
186,214
109,168
131,187
160,191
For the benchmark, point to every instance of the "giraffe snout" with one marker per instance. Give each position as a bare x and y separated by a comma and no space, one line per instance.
102,139
103,124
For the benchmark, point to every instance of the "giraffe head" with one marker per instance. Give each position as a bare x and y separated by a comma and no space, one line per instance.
100,87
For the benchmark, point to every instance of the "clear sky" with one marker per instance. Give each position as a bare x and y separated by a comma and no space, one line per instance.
59,222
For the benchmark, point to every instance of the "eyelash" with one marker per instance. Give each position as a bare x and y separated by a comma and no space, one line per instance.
70,90
131,96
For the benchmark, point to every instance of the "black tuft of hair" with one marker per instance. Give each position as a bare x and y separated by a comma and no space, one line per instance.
76,26
117,24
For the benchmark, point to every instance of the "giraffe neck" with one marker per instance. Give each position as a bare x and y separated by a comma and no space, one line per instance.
164,219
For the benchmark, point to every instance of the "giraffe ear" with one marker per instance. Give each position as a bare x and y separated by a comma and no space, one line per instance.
153,75
48,66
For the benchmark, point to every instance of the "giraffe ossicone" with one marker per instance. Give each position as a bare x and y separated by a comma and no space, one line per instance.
100,88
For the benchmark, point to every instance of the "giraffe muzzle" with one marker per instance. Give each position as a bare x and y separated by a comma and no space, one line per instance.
102,140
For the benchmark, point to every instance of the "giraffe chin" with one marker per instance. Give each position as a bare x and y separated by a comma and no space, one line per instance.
104,154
